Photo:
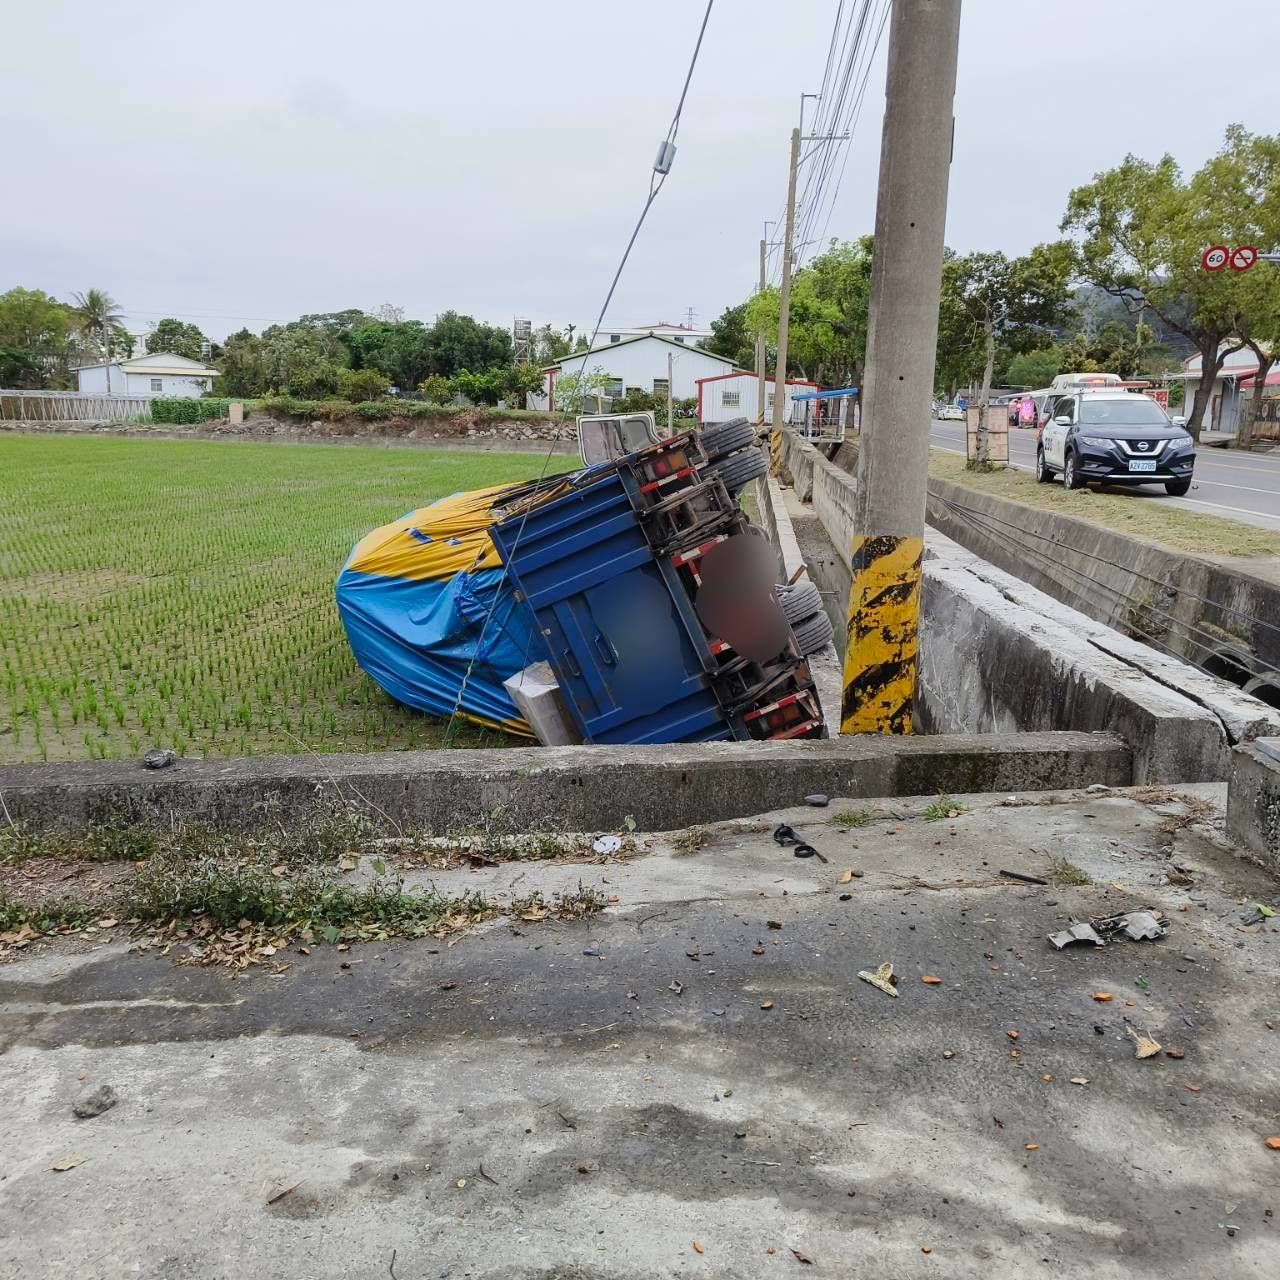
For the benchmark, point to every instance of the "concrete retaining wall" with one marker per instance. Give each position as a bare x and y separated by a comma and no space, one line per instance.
1203,611
556,788
997,655
1253,800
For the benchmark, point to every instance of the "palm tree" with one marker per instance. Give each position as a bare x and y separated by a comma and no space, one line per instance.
99,315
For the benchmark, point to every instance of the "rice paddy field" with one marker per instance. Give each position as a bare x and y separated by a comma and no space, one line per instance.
162,593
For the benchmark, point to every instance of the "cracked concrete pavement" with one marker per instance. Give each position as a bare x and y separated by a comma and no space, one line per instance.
582,1101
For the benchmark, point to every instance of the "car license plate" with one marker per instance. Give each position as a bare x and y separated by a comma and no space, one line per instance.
1144,464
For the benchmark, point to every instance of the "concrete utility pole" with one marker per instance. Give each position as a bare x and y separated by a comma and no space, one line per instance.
784,293
762,350
881,655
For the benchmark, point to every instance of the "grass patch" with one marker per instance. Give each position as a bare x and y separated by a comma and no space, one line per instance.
163,593
1067,874
942,807
1141,516
849,819
45,917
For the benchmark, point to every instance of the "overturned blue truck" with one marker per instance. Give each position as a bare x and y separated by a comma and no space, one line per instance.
638,581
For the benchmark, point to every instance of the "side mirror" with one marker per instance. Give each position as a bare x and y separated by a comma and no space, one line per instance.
1062,420
1178,422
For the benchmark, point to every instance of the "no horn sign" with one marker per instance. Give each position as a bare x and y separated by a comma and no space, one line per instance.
1219,256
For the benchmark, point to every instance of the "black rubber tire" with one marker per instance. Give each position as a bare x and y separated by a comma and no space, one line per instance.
1043,474
724,438
1071,477
800,600
739,469
1177,488
814,633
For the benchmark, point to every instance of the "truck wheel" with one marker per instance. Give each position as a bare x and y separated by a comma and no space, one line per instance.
724,438
739,469
799,600
814,633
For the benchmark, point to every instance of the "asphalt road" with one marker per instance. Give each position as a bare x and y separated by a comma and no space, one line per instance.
1238,486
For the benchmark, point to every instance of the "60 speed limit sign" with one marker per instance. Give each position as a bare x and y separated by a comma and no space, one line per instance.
1215,259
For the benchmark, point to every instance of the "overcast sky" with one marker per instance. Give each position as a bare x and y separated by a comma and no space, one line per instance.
242,163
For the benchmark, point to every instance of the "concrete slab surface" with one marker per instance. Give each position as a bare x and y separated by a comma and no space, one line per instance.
699,1063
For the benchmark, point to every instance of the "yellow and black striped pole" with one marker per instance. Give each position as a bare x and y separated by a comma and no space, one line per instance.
883,643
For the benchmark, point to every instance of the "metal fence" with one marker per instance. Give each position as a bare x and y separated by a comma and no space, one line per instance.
71,406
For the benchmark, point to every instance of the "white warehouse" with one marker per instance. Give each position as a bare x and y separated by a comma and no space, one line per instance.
636,364
725,396
162,373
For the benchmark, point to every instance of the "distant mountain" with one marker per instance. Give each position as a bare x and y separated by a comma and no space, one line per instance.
1095,307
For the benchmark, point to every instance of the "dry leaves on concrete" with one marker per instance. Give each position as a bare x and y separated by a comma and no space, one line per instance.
67,1162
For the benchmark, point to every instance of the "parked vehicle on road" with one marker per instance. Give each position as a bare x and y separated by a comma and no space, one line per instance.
951,413
1114,437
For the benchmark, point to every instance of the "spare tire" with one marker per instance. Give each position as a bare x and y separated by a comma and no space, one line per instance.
799,600
814,633
724,438
739,469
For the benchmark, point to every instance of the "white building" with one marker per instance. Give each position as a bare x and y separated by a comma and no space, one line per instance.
162,373
636,364
1236,376
725,396
684,334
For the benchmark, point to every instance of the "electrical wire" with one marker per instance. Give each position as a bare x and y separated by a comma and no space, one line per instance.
656,182
841,136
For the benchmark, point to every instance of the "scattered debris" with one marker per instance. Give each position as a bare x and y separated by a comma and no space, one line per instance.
607,844
280,1195
1080,1080
948,1054
818,800
882,978
931,980
1033,1146
1103,997
1174,1053
924,1248
159,759
1145,1046
1141,983
801,1256
848,874
697,1247
676,985
773,924
93,1102
1137,926
1020,875
768,1004
1273,1144
785,836
67,1162
1013,1035
1077,933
